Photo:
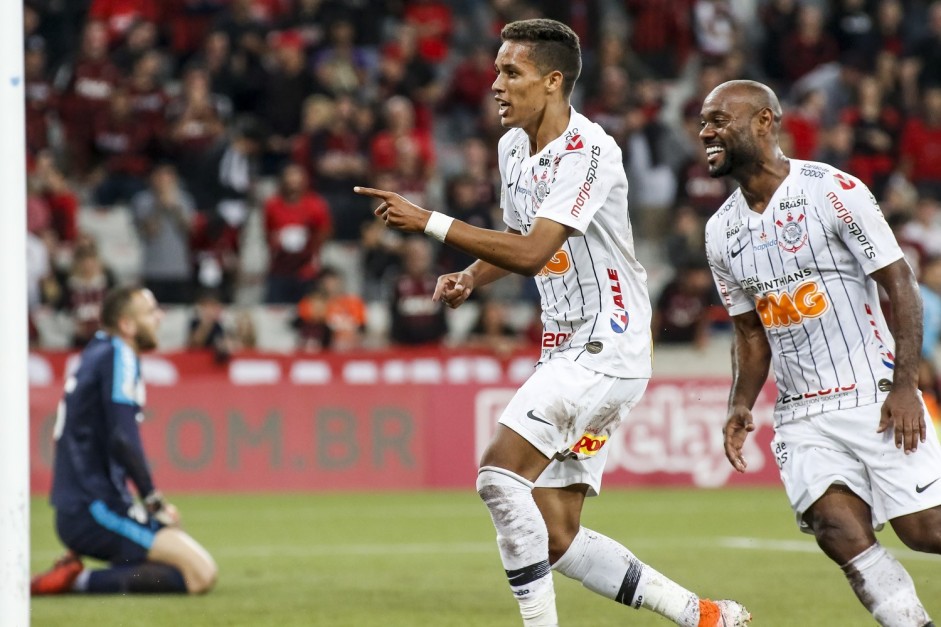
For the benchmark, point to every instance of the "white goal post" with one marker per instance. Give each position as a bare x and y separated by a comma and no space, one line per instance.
14,380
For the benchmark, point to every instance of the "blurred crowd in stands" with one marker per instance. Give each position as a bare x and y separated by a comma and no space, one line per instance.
208,149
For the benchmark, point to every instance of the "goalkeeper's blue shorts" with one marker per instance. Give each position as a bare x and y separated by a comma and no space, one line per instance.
100,532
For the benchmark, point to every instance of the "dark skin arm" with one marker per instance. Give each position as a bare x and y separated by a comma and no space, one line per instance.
751,360
903,411
456,287
507,250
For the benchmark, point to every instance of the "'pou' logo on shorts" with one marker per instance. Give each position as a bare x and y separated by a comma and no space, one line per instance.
589,444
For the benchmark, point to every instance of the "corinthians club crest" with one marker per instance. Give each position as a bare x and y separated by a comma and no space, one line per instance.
540,187
793,233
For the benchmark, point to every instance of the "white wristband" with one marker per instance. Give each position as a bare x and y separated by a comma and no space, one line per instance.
438,225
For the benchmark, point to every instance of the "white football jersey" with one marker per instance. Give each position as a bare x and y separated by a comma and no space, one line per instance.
595,307
804,266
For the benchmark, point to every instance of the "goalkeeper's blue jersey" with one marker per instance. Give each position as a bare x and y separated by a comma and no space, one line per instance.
97,439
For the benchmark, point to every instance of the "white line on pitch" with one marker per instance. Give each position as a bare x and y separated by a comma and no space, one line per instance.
802,546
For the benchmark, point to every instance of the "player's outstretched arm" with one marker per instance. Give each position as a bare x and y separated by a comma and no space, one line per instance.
510,251
903,411
751,360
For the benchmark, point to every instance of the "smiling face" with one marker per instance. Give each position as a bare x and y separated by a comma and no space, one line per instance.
726,132
520,89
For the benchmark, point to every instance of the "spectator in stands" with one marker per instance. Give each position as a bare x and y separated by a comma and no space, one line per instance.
312,19
164,215
287,84
54,189
297,223
401,137
85,86
613,51
492,330
187,23
808,45
802,124
225,79
245,28
381,249
778,19
416,319
653,153
335,152
313,333
41,97
142,38
403,72
85,286
685,242
206,328
661,34
221,180
924,54
149,100
682,311
469,90
341,67
463,203
121,16
876,131
197,118
611,108
852,26
433,24
345,313
925,228
243,336
122,149
715,28
920,158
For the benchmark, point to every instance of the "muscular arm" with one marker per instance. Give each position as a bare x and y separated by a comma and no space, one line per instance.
507,250
903,410
898,281
751,359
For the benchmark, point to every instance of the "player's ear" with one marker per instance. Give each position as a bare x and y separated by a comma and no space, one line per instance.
764,120
554,81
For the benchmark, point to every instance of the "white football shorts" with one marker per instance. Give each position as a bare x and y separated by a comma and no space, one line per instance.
568,412
842,447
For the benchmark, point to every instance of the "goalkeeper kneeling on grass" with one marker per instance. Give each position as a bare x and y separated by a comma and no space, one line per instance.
97,450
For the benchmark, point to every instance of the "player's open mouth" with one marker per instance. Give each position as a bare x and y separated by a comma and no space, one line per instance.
713,152
503,107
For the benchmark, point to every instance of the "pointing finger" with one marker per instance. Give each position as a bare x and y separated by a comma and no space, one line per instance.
375,193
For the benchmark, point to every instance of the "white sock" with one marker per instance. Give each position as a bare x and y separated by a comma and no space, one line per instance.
885,588
608,568
81,582
523,541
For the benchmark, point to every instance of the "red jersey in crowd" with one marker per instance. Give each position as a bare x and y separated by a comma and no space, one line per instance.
295,233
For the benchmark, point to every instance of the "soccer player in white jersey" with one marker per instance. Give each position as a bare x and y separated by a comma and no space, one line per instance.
798,253
564,198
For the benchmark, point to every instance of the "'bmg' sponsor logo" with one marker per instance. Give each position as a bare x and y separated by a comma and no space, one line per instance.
787,308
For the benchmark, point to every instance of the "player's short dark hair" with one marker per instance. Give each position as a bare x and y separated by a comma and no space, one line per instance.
115,304
553,45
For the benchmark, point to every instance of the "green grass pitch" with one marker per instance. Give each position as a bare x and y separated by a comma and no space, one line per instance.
415,559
